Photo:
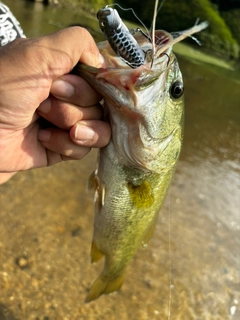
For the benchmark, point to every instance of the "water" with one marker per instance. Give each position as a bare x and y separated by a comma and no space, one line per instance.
47,217
37,19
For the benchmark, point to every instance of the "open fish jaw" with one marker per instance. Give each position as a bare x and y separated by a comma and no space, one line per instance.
138,107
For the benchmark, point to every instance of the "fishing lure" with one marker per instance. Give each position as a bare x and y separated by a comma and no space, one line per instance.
120,38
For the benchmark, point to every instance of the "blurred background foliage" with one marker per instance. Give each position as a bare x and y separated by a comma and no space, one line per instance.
222,37
90,5
223,34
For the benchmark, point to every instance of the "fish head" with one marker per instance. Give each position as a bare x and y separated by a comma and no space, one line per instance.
144,105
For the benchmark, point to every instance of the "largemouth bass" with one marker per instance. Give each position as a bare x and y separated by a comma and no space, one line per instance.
145,109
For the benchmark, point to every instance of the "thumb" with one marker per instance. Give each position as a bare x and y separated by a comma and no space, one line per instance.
31,65
65,48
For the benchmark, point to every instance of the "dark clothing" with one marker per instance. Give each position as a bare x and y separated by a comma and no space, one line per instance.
10,28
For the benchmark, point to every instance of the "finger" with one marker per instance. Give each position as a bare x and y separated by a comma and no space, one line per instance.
75,90
65,48
60,143
42,60
65,115
91,133
58,52
54,158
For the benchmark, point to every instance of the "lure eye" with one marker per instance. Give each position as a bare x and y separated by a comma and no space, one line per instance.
176,90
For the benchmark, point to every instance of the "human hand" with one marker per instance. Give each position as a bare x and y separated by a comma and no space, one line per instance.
35,82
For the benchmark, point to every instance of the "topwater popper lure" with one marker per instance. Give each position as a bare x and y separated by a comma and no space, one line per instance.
119,37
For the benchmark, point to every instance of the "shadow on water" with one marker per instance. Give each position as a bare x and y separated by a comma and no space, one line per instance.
190,268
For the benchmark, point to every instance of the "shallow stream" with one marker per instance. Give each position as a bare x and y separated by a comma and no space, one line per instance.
191,267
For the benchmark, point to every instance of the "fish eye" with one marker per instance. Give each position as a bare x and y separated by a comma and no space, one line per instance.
176,89
103,23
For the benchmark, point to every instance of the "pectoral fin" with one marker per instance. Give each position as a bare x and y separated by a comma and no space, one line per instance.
102,285
91,183
94,184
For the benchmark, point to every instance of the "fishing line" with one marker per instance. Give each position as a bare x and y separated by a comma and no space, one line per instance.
170,256
153,26
178,34
196,26
156,11
194,38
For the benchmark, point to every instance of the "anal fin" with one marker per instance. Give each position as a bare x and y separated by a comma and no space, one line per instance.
91,183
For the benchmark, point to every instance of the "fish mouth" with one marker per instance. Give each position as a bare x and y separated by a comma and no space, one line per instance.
158,59
116,73
154,53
